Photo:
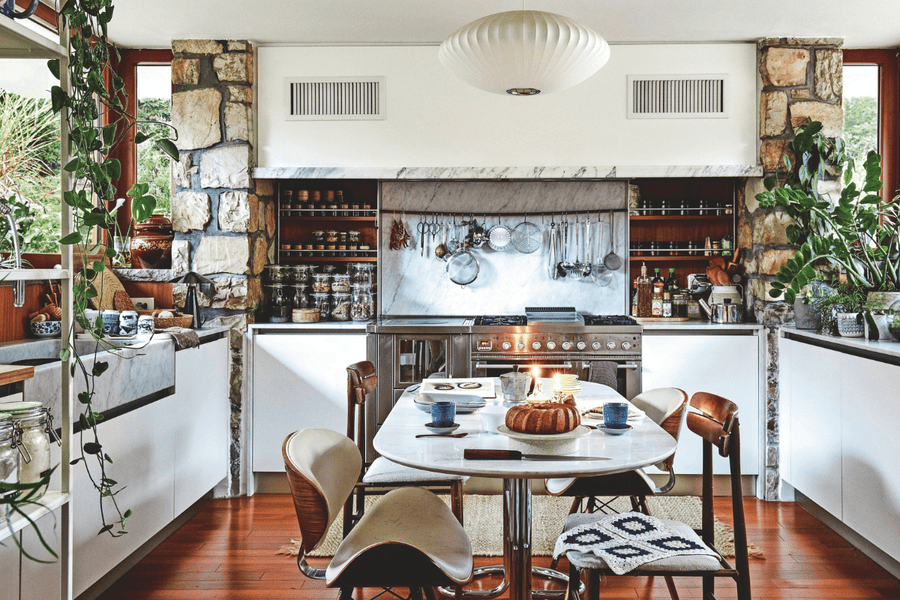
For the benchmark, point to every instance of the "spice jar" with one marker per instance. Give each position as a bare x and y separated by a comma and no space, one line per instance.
342,203
300,273
315,200
330,269
321,283
301,296
302,199
278,273
9,456
287,200
280,303
340,283
322,303
362,273
362,305
33,432
331,204
331,238
342,240
319,240
340,307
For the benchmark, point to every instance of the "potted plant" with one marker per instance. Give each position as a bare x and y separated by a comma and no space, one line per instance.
879,312
807,313
894,327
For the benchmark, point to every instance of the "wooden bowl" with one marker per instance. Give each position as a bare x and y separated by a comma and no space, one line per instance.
179,320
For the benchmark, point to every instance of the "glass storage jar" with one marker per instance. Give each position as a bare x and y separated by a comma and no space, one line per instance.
362,304
279,304
331,239
33,432
340,307
301,296
353,241
322,303
9,456
319,240
278,273
342,240
321,283
301,273
330,269
362,273
340,283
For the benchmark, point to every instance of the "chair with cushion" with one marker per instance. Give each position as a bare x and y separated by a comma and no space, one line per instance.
382,475
716,422
409,538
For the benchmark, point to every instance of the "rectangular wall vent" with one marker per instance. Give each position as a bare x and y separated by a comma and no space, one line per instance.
678,96
334,98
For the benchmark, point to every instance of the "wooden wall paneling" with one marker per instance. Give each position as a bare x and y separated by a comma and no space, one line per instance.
14,321
160,292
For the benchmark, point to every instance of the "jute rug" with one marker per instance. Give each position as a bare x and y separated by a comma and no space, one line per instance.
483,516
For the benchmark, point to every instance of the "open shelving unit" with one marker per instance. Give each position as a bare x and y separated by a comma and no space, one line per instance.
19,41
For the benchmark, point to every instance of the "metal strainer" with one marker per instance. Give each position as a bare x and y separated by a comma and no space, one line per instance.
527,237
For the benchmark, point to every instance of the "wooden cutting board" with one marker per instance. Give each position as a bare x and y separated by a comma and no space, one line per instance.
15,373
660,319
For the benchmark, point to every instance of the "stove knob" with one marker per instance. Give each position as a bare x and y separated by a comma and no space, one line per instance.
536,345
551,345
610,345
521,345
581,345
567,345
507,345
626,345
596,346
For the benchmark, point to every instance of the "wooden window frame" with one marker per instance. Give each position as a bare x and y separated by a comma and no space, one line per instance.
888,61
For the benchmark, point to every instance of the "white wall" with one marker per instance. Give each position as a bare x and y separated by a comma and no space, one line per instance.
435,120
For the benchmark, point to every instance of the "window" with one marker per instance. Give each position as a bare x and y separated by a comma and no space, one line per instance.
154,96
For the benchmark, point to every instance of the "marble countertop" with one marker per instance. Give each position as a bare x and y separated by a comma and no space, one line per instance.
325,326
860,346
703,326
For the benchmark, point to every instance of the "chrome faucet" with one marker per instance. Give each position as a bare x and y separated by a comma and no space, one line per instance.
19,289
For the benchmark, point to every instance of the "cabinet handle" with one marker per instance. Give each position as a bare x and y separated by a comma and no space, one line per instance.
567,365
630,366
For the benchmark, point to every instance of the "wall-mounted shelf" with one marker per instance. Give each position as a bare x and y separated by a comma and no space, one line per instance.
636,258
49,502
284,255
10,275
671,218
18,41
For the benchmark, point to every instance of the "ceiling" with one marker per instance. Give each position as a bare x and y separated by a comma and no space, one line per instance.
143,24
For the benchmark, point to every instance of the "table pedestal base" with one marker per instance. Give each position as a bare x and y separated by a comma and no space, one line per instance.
516,568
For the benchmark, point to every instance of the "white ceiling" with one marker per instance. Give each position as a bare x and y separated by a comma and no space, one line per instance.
153,24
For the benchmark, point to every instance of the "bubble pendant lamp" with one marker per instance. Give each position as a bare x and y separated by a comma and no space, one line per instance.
524,52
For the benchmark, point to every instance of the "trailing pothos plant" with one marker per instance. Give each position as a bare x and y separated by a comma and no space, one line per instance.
857,233
94,109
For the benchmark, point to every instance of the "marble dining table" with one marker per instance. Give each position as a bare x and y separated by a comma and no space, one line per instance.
645,444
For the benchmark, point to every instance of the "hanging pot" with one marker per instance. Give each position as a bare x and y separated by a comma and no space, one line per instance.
463,268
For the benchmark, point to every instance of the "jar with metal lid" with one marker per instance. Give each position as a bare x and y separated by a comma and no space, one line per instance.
353,240
301,296
342,240
280,303
362,273
321,283
300,273
315,203
340,283
287,200
322,303
33,433
331,239
330,269
319,239
343,203
9,456
278,273
362,304
340,307
302,200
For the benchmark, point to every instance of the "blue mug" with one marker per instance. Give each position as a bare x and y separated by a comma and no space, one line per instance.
110,322
615,415
443,414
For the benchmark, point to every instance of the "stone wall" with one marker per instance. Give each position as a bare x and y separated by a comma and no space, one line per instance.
801,79
223,229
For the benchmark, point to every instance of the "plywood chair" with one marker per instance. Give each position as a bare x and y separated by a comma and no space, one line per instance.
409,538
383,475
716,422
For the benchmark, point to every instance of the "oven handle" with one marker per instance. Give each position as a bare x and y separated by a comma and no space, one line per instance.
567,365
628,366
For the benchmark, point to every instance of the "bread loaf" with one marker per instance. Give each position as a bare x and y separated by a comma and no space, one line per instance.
544,417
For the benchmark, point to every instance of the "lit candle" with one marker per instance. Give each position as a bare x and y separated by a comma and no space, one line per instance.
535,376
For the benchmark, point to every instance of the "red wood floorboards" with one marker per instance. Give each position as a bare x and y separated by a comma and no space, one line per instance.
227,551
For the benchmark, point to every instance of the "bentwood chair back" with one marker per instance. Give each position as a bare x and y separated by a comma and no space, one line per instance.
381,475
409,538
715,420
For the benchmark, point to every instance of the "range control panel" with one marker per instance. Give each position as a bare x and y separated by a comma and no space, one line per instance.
558,343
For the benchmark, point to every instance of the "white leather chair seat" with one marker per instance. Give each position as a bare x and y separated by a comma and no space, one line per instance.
411,517
638,483
692,562
386,471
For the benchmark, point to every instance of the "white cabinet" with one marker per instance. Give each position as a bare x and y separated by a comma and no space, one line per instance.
727,365
299,380
39,580
9,570
814,408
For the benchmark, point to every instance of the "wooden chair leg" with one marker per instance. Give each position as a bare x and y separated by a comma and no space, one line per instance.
670,583
456,500
593,584
574,581
346,594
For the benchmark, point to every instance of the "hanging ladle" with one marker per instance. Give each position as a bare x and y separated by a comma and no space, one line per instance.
612,261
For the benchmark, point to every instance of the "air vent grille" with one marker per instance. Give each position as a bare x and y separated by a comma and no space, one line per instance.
335,98
678,97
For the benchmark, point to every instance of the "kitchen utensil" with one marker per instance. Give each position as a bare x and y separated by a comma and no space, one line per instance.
699,285
463,268
499,236
726,312
422,228
441,250
486,454
612,261
476,237
565,266
588,253
445,435
599,273
551,250
526,237
453,243
579,240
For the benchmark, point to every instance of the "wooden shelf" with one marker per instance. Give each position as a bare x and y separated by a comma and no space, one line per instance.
290,255
48,503
681,218
638,258
10,275
291,214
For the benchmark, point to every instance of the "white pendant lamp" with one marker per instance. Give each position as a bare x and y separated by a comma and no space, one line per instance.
524,52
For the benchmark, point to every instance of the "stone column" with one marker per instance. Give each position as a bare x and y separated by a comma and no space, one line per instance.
221,227
801,79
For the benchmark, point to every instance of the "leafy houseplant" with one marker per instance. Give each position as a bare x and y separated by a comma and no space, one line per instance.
844,299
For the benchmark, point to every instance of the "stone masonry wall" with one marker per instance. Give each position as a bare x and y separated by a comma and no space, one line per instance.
802,79
223,230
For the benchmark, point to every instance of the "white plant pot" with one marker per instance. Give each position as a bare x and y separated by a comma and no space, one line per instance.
850,324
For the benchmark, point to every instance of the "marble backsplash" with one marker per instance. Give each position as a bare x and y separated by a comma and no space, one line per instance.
508,280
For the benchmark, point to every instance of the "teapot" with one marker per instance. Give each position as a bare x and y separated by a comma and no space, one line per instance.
516,385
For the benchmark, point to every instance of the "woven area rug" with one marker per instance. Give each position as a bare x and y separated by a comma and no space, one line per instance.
483,517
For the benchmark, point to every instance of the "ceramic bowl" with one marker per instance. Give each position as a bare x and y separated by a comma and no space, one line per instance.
46,328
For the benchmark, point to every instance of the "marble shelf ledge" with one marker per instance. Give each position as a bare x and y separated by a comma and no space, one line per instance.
158,275
507,173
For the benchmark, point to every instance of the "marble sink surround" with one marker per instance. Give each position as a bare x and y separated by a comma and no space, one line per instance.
508,280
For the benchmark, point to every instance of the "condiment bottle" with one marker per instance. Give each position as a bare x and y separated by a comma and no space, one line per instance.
671,282
634,299
644,292
667,305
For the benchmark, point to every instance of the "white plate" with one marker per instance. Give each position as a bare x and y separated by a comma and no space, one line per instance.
464,404
618,431
436,429
576,433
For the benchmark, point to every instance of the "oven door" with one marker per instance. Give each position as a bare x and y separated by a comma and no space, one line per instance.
495,366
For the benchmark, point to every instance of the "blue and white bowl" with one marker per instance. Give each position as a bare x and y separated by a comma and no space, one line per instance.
46,328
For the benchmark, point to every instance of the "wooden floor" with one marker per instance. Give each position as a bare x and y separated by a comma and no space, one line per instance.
228,551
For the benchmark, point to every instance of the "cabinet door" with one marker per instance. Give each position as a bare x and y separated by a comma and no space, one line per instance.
42,581
727,365
9,570
200,426
299,381
871,475
815,408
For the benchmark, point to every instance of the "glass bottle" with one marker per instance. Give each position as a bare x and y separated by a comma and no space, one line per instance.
634,299
342,203
322,302
287,200
280,303
644,290
331,204
671,282
657,280
667,305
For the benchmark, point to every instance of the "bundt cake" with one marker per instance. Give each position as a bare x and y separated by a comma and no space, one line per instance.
544,417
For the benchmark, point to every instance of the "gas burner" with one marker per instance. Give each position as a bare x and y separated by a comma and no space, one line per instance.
608,320
500,320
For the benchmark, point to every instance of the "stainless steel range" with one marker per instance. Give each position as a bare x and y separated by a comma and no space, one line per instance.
557,340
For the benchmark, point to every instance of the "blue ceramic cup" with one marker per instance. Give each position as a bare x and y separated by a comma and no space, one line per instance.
110,322
443,413
615,415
